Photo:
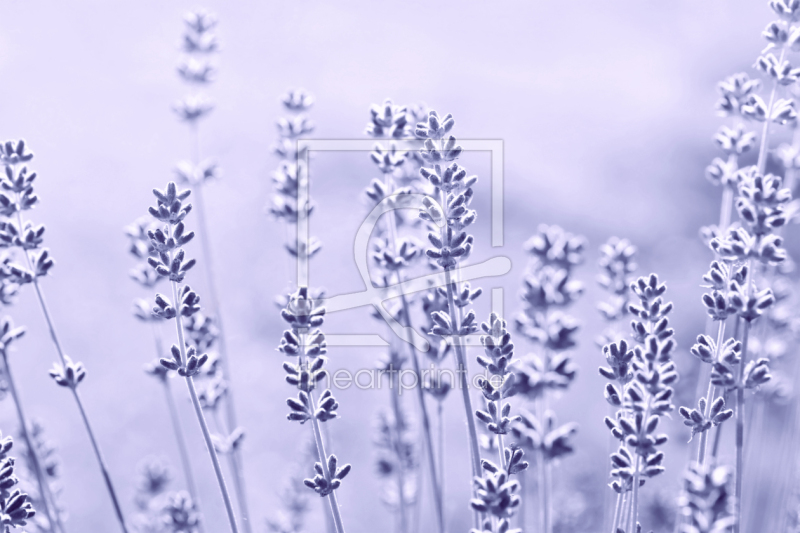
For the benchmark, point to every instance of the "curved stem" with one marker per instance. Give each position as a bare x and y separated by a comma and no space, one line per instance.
44,487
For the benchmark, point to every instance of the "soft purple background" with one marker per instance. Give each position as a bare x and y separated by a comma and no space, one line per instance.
606,110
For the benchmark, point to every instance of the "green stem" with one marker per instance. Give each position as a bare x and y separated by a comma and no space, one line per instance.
44,487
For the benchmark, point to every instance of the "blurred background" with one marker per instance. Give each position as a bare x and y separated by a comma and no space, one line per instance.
606,111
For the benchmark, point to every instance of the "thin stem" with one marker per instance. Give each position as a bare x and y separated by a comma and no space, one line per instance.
624,510
213,454
201,419
181,441
213,303
401,480
617,510
101,461
702,450
500,445
740,428
51,328
762,151
523,496
183,451
44,487
461,361
544,497
440,438
213,300
462,372
323,459
717,437
636,477
426,425
238,480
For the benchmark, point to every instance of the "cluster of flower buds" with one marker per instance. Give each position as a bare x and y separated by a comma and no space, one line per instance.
328,477
498,360
737,100
141,248
196,66
643,393
291,169
496,495
8,334
180,513
781,37
552,440
15,507
707,501
448,214
388,120
699,421
167,259
760,202
617,265
16,196
305,341
548,288
448,209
